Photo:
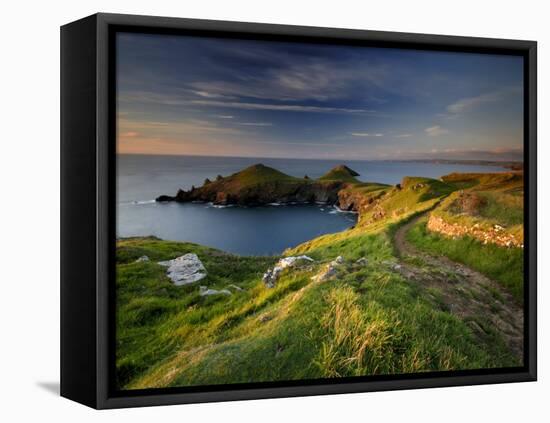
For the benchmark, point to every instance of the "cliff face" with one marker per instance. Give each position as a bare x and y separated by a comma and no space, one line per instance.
264,193
354,200
260,185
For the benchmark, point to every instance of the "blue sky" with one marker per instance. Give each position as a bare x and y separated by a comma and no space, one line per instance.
228,97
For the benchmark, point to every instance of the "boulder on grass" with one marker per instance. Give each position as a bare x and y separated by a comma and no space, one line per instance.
185,269
271,276
329,270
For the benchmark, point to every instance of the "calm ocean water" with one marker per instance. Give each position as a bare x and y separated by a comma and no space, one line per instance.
247,231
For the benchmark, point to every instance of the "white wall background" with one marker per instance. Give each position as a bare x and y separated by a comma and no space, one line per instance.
29,234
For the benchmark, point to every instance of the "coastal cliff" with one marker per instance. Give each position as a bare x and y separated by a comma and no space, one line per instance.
260,185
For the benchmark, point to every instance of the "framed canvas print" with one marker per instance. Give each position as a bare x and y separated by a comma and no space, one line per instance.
255,211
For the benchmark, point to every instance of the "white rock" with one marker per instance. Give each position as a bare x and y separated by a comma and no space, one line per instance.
329,270
205,291
185,269
292,261
271,276
363,261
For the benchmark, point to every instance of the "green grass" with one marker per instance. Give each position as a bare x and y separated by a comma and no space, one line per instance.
388,327
340,173
504,265
414,194
365,323
154,317
367,320
500,208
505,209
502,182
259,174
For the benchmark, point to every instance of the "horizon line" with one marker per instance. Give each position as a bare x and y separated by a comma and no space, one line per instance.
319,158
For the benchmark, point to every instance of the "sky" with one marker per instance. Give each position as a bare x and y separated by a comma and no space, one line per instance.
186,95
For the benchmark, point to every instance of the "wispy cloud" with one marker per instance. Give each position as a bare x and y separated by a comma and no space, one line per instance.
278,107
175,100
187,127
366,134
255,123
212,95
295,78
470,103
435,131
360,102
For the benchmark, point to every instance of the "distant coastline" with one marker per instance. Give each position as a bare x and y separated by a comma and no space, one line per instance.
508,164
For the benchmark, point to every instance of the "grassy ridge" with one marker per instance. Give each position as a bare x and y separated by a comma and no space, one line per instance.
501,197
258,174
504,265
340,173
154,317
368,320
494,200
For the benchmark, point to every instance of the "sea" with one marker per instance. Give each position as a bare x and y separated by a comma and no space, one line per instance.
246,231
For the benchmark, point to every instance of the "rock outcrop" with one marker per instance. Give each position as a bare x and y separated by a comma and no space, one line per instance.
493,235
185,270
271,276
329,270
350,199
165,198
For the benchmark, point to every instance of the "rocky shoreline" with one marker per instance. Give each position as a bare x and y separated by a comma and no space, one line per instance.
260,185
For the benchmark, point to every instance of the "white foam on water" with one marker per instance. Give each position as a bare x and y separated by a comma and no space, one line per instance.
339,210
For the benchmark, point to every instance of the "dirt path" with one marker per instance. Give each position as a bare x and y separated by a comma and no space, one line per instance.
466,293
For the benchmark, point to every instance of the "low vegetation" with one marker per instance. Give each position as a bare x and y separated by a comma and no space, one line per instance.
504,265
370,318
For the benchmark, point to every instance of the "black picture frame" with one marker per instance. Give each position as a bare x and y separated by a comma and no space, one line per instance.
88,216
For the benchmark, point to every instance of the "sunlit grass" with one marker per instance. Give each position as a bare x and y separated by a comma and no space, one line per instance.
504,265
367,320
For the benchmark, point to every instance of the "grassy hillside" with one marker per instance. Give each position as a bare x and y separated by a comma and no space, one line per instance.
370,318
504,265
260,184
484,201
256,174
340,173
